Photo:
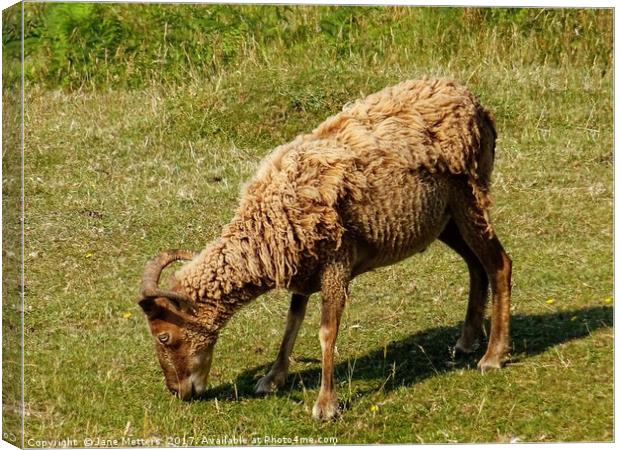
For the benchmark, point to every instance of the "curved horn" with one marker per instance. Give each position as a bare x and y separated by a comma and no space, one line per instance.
152,272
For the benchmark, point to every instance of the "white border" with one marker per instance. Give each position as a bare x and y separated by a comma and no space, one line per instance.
455,3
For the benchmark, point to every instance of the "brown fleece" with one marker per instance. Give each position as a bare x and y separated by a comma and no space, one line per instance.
295,203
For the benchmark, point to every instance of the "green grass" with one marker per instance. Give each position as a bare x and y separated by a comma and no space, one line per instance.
118,170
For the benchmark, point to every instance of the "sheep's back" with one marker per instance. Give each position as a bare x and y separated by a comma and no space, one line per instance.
438,124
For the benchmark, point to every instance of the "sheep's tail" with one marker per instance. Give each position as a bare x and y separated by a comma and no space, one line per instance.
488,135
480,181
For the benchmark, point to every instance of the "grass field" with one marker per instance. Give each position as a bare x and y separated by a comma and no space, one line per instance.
119,166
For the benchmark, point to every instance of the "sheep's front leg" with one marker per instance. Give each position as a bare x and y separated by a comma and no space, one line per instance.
334,283
277,375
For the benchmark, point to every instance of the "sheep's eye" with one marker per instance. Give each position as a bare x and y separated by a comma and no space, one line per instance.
163,338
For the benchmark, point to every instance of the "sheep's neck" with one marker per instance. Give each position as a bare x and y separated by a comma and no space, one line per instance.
216,313
224,284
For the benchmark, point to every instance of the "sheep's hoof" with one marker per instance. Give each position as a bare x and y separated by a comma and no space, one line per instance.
269,384
465,347
325,409
488,363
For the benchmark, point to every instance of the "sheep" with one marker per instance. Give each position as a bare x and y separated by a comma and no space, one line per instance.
370,186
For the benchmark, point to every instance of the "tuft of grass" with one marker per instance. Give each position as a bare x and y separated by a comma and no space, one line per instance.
136,151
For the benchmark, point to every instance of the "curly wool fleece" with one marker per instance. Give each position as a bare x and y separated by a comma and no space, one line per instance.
295,203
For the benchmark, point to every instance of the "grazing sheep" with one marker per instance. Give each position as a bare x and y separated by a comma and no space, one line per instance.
369,187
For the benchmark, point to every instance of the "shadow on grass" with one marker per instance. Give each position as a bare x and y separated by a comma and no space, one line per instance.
429,353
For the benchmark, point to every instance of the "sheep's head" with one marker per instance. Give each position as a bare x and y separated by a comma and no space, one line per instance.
184,347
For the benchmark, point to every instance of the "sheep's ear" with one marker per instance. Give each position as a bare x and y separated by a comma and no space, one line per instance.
149,307
154,307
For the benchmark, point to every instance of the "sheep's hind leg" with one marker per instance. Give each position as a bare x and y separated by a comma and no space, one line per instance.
334,284
475,229
472,331
277,375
